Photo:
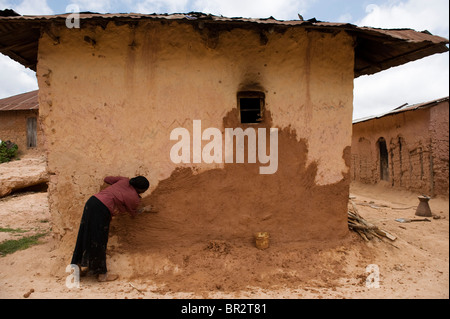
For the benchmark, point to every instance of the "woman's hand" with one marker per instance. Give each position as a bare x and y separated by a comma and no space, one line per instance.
147,209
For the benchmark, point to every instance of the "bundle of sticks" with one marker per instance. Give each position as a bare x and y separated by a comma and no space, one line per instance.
366,230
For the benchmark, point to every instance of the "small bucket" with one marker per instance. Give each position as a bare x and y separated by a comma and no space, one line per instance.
262,240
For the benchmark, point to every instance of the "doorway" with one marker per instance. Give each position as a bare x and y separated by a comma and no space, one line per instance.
31,132
384,159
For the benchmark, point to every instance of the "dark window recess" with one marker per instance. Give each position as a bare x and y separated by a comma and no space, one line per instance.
251,105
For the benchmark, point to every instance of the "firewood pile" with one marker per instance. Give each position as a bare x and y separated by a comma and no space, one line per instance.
365,229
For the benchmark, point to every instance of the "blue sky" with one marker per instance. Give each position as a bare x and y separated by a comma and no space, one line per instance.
415,82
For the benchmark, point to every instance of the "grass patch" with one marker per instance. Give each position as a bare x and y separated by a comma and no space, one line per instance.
12,230
11,246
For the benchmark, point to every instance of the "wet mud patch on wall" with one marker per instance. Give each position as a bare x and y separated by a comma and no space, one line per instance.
235,202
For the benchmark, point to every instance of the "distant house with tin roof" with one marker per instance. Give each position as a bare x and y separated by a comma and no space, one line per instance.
19,122
407,147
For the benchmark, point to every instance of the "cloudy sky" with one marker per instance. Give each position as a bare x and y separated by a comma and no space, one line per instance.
415,82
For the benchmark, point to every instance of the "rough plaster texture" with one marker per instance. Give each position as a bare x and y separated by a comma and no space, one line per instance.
417,142
109,99
13,127
439,134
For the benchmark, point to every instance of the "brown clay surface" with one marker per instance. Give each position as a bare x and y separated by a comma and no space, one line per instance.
417,267
235,202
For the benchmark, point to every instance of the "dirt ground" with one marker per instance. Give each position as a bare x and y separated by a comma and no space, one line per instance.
414,266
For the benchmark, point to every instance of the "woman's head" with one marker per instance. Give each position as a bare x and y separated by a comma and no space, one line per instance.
140,183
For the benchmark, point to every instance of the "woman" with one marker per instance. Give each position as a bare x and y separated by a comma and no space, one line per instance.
121,196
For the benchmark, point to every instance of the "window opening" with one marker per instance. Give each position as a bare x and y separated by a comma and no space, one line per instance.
251,107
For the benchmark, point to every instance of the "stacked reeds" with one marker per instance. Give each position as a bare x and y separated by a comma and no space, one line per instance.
365,229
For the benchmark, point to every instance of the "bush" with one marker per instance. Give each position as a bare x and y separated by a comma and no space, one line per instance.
8,150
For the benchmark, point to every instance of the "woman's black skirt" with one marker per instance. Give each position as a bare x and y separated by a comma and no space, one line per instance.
90,249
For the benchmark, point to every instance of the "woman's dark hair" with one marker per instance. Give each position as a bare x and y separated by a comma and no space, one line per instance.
140,182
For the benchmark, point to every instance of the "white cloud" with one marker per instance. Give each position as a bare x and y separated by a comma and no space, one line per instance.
15,78
31,7
431,15
415,82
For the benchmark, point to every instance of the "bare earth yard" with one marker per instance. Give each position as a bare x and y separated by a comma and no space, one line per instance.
415,265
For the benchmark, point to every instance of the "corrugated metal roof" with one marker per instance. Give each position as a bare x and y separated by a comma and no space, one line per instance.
403,108
375,50
20,102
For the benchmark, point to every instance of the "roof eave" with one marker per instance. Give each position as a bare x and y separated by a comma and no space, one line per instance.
375,49
404,108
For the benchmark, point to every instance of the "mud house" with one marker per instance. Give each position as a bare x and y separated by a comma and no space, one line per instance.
406,147
19,122
121,91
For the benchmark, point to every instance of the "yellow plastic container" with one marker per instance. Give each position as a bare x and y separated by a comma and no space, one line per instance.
262,240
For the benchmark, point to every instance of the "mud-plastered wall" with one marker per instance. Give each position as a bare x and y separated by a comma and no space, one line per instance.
417,150
110,98
439,130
